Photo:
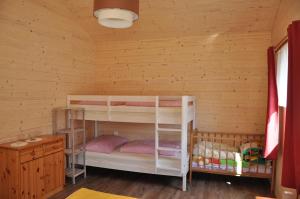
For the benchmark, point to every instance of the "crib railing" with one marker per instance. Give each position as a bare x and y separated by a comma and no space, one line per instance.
220,153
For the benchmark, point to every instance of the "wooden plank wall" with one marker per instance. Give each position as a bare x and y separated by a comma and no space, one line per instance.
44,55
288,11
227,73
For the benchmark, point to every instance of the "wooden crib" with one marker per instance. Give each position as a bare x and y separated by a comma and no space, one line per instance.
220,153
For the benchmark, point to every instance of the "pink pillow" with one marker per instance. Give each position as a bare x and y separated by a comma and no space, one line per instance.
105,143
139,146
148,147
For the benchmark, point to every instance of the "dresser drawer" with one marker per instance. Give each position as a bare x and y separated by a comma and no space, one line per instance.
53,147
31,154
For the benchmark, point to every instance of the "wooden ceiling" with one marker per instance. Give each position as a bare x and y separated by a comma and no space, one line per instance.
176,18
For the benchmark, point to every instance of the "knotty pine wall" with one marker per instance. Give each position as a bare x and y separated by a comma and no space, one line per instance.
44,55
226,72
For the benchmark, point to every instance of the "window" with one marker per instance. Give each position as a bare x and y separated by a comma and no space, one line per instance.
282,74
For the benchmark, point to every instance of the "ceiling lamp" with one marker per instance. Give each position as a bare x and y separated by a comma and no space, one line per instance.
116,13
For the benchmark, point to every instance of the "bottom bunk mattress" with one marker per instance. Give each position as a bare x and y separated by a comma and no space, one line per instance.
115,152
142,163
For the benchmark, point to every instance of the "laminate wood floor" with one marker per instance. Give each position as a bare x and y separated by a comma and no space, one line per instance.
146,186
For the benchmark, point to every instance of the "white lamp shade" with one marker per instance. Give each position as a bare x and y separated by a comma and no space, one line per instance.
115,17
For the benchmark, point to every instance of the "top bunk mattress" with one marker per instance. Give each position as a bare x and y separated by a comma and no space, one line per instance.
137,109
130,101
162,103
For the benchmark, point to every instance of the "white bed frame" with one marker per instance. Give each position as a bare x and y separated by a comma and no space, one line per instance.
159,116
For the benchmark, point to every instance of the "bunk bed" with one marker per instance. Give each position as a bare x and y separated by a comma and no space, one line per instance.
170,115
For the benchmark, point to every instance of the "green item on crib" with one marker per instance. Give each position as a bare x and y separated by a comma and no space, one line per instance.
233,163
245,164
253,155
254,151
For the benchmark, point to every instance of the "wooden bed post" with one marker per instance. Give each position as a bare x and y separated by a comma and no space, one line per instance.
272,188
193,128
195,115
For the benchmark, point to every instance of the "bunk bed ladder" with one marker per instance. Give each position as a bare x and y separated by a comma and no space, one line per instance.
173,164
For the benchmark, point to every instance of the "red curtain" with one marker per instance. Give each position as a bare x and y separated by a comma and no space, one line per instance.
291,151
272,123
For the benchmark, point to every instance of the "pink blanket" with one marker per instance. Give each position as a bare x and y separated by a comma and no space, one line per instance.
148,147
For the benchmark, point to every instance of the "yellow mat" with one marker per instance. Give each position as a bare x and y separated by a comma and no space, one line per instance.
90,194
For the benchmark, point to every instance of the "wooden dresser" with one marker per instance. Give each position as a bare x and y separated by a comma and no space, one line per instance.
34,171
